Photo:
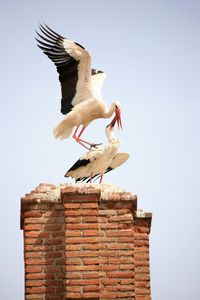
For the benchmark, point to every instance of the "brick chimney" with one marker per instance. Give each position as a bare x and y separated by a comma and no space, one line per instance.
85,242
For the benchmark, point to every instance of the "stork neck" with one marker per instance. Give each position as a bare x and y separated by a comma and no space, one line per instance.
108,113
111,136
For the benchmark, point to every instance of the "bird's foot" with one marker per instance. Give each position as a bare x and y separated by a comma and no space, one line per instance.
95,145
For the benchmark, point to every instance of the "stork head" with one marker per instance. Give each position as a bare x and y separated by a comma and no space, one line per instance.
110,133
117,110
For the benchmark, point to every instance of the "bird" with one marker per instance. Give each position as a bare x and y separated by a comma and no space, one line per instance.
98,161
81,85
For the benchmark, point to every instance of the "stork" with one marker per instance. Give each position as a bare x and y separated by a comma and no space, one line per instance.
80,86
100,160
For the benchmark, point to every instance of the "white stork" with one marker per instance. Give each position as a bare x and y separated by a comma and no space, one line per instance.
80,85
100,160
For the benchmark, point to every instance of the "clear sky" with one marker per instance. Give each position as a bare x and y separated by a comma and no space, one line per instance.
151,53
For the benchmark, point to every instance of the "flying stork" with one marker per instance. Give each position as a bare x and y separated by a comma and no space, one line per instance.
81,85
99,160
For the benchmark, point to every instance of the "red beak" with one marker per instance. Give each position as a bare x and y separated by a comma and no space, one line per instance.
118,118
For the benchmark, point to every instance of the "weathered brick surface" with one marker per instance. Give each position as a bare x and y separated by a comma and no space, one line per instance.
84,243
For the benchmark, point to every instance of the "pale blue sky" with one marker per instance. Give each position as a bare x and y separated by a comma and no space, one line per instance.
150,51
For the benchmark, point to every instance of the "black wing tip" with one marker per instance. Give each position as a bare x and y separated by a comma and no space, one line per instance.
79,163
95,71
79,45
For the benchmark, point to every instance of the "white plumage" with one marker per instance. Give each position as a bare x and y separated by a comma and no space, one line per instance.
100,160
80,85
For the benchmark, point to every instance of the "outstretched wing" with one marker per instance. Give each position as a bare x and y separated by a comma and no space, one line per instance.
117,161
73,63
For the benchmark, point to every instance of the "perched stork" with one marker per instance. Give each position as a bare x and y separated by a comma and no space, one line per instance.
100,160
80,85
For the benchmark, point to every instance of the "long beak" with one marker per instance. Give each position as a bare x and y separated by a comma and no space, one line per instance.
112,123
118,118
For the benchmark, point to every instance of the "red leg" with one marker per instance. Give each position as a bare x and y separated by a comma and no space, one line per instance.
91,178
75,132
101,177
81,141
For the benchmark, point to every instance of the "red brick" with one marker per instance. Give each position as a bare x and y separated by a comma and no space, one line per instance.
34,221
142,291
126,252
72,205
39,290
91,261
82,254
109,226
141,243
33,227
73,219
53,254
127,287
81,240
81,212
82,282
90,295
60,261
123,218
109,281
142,277
120,274
53,227
54,282
29,241
120,233
73,247
127,281
90,275
57,234
37,276
107,212
34,297
91,288
73,275
89,205
53,241
122,260
74,295
54,297
82,268
126,239
108,267
34,283
35,234
90,219
39,261
32,214
120,246
33,254
73,288
81,226
53,269
73,261
93,246
141,256
126,267
72,233
34,269
90,233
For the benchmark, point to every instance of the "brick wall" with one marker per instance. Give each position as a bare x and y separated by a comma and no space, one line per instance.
85,243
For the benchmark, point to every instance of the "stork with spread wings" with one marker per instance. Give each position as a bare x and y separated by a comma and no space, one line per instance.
81,85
